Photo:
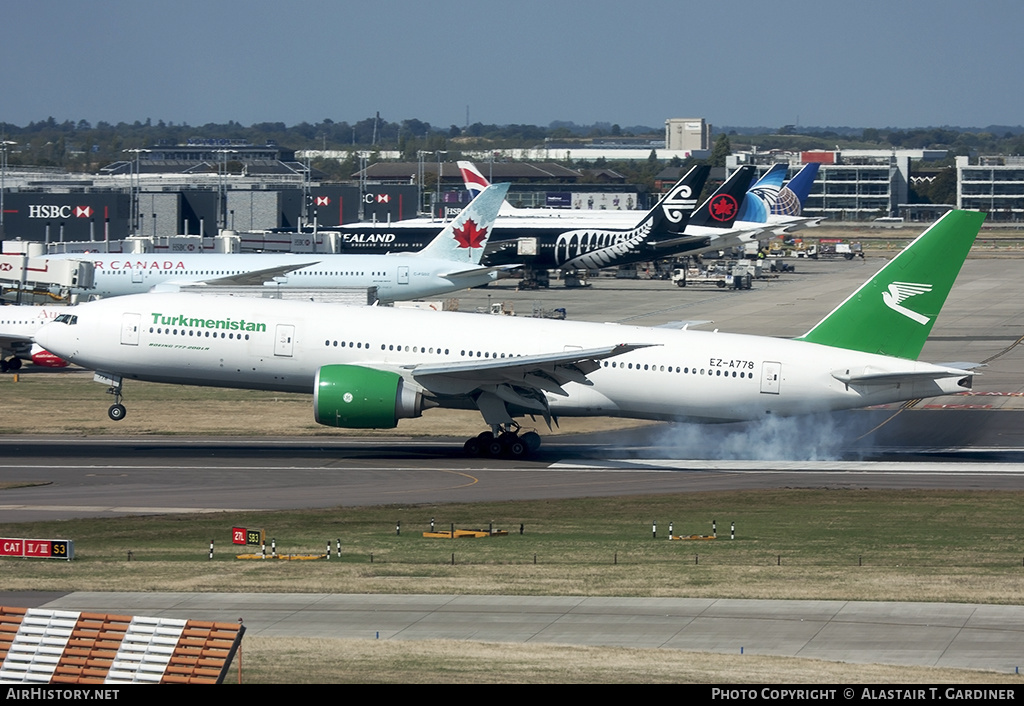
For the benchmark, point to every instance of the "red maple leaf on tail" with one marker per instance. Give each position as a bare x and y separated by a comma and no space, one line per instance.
469,236
722,208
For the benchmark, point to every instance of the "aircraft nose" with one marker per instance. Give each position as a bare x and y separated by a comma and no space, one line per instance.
52,337
42,336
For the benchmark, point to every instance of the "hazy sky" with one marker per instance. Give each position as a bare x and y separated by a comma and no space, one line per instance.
873,63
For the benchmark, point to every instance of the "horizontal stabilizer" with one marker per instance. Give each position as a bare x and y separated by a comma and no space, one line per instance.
683,325
896,378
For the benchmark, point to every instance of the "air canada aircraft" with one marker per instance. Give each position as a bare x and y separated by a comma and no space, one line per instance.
449,262
368,367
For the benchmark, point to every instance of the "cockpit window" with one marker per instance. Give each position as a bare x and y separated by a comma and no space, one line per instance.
69,319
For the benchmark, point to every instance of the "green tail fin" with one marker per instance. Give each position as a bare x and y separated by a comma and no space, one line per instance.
893,312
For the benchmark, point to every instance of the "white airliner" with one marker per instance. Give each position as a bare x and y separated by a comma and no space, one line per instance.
18,325
450,262
369,367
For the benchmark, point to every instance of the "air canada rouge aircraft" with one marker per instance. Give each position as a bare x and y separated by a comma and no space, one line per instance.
450,261
368,367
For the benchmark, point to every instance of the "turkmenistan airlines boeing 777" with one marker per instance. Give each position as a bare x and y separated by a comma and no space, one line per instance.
369,367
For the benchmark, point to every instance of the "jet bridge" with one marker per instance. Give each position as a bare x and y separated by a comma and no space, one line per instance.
24,278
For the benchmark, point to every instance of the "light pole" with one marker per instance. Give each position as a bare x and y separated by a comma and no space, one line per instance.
420,154
135,184
439,154
3,175
222,169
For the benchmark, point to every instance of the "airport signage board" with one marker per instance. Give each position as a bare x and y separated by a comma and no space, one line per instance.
241,535
37,548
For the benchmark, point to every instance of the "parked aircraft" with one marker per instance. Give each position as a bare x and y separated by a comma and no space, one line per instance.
540,243
18,324
715,221
370,366
448,263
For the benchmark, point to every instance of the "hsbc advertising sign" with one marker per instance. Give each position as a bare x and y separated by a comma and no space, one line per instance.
51,211
72,216
339,205
389,203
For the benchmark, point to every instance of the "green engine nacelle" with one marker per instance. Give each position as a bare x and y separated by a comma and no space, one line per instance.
354,397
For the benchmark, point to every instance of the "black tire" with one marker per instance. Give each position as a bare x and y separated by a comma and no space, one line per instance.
517,448
472,446
14,364
532,440
495,448
117,412
720,283
4,366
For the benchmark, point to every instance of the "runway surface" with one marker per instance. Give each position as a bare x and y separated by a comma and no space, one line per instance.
102,477
926,634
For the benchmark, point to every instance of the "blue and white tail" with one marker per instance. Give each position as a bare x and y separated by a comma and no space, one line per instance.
464,238
794,195
760,198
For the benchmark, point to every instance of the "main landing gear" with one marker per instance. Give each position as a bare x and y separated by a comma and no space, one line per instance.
503,440
10,364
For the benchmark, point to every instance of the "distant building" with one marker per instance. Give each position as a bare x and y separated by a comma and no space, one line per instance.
994,185
200,155
687,134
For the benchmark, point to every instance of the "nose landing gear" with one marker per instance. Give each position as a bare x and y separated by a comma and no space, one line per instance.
117,411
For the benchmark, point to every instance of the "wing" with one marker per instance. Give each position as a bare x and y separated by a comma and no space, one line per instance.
245,279
521,381
15,342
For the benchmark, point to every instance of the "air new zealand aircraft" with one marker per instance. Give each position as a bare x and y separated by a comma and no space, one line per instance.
540,244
